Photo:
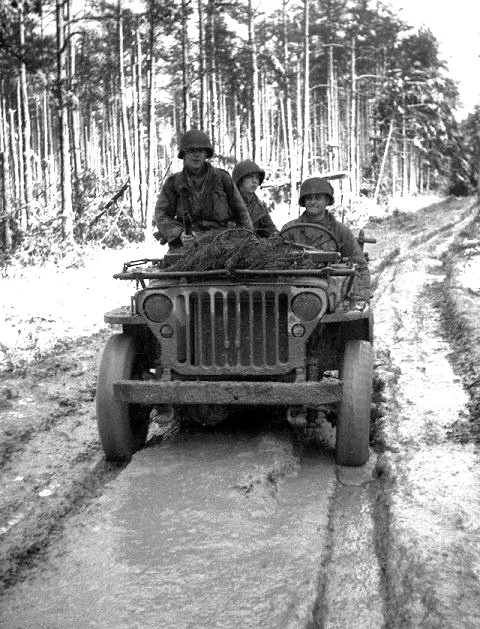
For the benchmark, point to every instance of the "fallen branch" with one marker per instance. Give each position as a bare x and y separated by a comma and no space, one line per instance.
109,204
113,226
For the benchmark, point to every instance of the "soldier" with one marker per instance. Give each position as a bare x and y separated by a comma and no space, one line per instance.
316,194
248,177
200,197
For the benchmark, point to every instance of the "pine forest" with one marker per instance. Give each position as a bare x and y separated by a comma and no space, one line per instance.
94,97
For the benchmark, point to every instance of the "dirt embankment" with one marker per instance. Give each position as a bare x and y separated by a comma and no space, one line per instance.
427,506
461,317
53,336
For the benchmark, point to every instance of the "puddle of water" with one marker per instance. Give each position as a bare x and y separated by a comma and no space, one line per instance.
205,531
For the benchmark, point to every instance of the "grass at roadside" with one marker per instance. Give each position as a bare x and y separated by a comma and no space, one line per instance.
461,317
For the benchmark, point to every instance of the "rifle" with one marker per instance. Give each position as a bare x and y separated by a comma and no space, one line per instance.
186,218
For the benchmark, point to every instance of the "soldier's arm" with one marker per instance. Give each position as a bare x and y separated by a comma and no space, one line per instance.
169,227
349,248
266,225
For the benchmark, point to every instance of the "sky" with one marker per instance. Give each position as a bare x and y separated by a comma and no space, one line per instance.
456,26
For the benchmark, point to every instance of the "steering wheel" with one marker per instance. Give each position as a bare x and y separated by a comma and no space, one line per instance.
324,237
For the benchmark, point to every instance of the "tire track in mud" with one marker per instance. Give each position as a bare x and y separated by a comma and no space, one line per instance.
416,518
51,461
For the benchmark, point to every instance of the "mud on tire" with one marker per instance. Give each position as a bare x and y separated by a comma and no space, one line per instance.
122,426
353,422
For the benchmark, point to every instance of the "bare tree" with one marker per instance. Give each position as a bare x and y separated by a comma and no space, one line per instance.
255,109
306,89
151,131
289,138
64,135
127,147
186,97
25,124
202,67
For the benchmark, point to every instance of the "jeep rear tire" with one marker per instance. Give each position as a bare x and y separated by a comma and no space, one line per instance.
353,422
122,426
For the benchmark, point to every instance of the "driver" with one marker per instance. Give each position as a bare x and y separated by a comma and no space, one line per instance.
316,194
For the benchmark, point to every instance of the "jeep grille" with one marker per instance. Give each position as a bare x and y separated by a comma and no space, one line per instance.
223,328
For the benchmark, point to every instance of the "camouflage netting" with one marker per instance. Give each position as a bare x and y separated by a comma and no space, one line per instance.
241,249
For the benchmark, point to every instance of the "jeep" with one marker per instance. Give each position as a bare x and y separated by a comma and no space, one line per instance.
206,343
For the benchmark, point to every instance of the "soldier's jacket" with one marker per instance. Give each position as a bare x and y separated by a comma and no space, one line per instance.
209,202
259,214
348,247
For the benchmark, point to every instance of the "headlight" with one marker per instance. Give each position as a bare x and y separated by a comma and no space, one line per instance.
307,306
157,307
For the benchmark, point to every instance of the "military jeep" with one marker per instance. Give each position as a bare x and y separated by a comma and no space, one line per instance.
206,343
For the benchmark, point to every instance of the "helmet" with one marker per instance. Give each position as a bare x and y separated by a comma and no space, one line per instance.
315,185
194,139
247,167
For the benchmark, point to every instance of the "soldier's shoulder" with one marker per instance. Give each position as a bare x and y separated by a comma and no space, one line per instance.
172,179
222,172
342,227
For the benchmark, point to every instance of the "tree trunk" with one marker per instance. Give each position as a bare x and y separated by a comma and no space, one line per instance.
289,139
20,154
203,68
45,149
14,155
6,232
186,97
254,103
404,154
74,115
65,169
151,131
353,121
478,177
213,100
384,160
393,168
3,125
293,158
140,129
332,113
25,126
298,108
134,130
306,91
127,147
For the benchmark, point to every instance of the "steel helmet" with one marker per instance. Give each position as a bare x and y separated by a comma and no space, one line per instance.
194,139
315,185
247,167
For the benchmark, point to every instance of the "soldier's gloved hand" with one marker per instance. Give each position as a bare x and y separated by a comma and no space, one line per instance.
187,239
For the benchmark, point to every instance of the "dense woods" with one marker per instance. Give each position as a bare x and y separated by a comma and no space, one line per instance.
93,97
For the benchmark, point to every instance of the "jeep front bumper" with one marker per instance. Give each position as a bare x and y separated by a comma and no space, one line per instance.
310,394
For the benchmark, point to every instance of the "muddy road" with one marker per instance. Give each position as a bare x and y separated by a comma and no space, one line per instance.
252,524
